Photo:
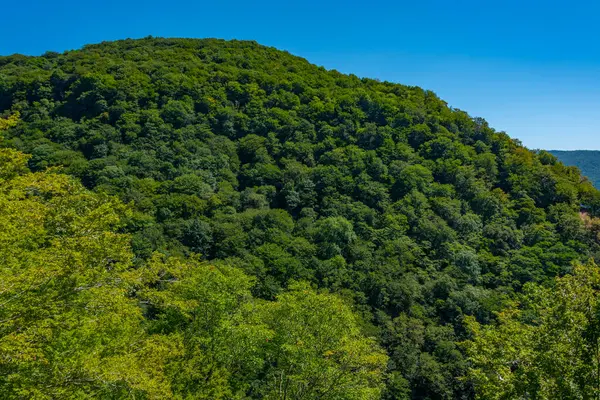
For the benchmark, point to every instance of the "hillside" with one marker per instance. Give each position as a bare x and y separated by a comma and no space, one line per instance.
588,161
416,214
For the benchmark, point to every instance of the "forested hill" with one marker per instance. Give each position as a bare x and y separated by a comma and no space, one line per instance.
588,161
416,213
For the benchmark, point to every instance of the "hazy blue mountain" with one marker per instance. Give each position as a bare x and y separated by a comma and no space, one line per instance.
588,161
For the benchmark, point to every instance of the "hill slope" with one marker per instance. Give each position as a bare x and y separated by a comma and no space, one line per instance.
416,212
588,161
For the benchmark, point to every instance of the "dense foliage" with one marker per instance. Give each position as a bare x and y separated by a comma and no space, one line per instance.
546,347
417,213
588,161
78,321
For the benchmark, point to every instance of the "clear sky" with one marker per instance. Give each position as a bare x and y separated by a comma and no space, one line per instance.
531,68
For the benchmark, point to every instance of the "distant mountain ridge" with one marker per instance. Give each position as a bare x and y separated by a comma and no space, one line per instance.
588,161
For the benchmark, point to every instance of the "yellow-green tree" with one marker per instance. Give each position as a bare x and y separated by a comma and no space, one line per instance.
9,122
316,349
68,325
547,346
304,345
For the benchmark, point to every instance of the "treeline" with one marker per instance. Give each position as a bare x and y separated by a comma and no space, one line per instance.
310,194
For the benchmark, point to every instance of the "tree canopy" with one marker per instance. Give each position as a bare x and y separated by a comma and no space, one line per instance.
402,218
547,346
78,320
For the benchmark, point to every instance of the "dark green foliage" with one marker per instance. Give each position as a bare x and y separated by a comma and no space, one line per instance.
419,213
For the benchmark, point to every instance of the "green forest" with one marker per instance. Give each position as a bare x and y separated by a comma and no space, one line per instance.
588,161
210,219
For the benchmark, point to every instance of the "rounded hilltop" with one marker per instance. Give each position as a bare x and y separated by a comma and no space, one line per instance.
416,213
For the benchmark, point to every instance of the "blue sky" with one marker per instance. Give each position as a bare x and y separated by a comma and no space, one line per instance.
531,68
